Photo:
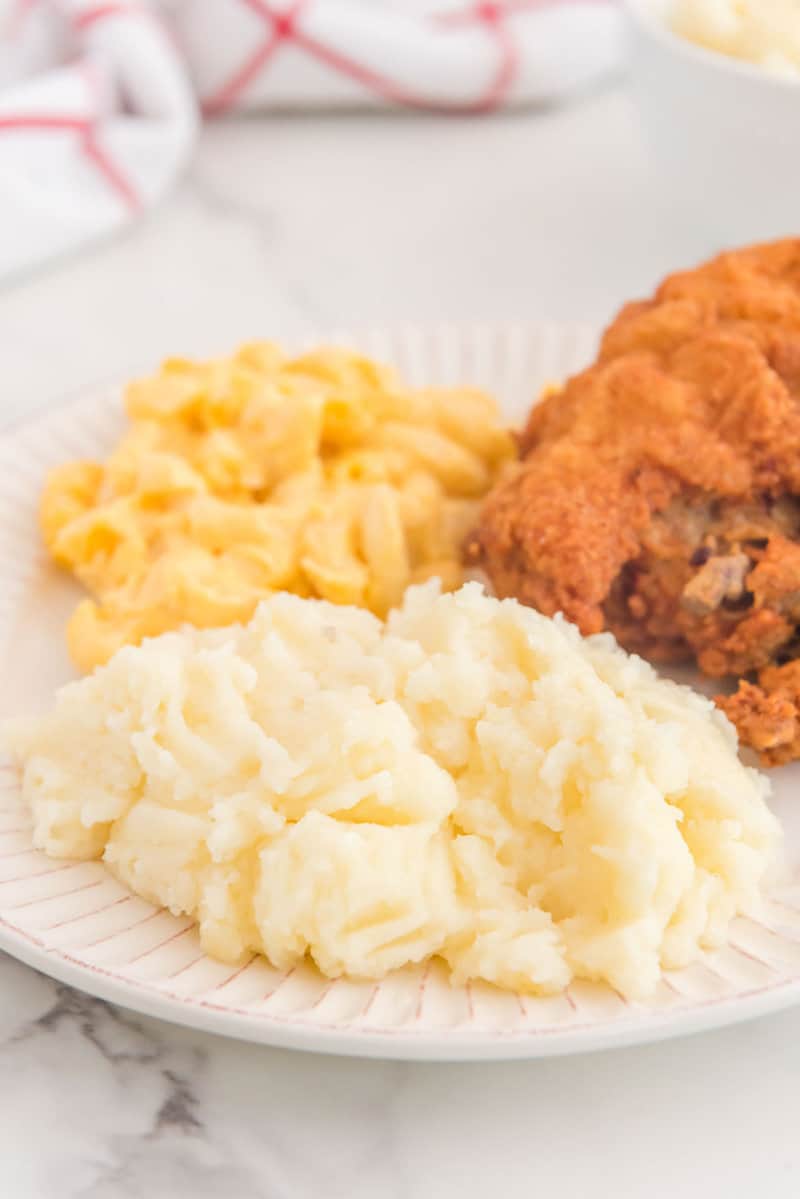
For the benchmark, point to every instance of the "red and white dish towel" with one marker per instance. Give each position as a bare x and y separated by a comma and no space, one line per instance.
99,102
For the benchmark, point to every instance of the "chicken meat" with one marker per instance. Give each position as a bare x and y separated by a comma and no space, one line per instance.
658,492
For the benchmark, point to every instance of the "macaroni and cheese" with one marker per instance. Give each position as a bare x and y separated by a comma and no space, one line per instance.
322,474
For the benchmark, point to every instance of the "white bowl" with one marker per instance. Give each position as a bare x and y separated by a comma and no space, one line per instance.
725,134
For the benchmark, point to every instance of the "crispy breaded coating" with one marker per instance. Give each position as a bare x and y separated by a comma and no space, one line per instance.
656,492
768,720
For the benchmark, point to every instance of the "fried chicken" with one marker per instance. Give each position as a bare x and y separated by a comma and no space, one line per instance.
658,492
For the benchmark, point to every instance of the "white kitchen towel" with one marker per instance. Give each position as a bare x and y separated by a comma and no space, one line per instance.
99,101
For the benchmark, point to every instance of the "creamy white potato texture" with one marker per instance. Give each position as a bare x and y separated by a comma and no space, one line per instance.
468,779
766,32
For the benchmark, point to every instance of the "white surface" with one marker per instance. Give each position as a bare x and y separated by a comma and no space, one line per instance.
345,221
74,921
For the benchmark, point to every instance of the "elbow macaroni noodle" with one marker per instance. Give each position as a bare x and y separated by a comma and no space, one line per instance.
322,475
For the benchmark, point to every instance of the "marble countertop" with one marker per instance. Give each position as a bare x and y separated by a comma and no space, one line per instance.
284,224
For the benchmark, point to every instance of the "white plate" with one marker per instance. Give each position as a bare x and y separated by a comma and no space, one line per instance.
73,921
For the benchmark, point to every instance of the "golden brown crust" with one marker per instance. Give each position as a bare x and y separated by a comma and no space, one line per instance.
767,715
767,721
655,492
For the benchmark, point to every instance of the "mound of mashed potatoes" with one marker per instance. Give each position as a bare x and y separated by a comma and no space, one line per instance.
469,779
765,32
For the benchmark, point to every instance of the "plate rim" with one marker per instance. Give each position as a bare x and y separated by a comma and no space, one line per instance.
643,1027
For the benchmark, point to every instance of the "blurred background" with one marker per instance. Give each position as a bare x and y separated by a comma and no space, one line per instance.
178,176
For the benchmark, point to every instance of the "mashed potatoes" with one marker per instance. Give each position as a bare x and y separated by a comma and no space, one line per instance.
766,32
323,475
469,779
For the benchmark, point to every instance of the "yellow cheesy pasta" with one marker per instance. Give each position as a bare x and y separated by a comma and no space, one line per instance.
323,475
